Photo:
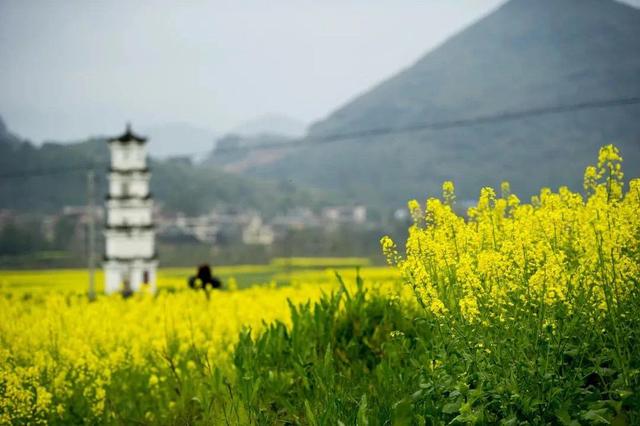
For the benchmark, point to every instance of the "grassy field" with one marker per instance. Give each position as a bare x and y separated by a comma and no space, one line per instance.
519,313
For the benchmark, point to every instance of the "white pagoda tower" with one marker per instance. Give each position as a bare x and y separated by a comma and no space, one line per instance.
130,259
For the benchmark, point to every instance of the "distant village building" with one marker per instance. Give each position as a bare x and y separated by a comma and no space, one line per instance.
401,215
130,259
202,228
345,214
258,233
297,219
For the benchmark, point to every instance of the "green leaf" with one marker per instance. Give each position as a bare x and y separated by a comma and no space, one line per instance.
511,421
451,408
564,417
402,413
362,412
596,416
311,418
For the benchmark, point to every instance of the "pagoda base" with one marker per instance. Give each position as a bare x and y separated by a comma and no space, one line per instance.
130,276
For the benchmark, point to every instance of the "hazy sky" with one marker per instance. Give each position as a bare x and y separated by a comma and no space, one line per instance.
70,69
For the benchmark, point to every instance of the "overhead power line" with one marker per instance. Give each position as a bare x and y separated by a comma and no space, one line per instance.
443,125
373,132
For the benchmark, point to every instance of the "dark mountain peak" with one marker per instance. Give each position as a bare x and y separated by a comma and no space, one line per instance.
562,20
546,7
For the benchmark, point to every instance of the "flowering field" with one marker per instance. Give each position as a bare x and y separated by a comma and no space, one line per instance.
64,359
519,313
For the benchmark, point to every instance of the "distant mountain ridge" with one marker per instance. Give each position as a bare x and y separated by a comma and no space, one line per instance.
271,124
241,149
240,154
526,54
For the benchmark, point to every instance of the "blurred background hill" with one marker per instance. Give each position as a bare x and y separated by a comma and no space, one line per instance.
525,55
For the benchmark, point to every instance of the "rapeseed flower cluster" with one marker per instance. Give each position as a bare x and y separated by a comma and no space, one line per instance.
65,360
61,351
560,250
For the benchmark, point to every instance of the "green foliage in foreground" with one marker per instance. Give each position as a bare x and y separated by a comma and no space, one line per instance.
368,359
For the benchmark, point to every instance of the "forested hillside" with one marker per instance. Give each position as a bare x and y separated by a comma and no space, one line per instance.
46,178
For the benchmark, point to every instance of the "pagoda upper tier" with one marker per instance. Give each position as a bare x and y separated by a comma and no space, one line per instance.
128,153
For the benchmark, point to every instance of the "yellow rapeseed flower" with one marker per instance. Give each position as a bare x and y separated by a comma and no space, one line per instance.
556,250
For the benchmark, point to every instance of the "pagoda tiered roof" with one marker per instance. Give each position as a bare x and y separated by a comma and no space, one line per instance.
128,171
110,197
130,227
128,136
130,259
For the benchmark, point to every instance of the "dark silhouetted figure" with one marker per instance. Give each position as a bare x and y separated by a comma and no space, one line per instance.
204,279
